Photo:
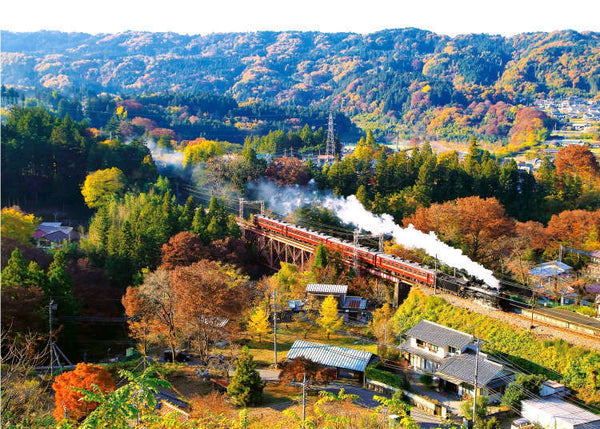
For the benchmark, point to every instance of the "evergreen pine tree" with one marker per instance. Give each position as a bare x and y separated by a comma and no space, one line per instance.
187,214
59,284
320,257
246,386
15,272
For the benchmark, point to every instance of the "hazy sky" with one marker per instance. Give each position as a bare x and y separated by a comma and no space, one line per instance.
450,17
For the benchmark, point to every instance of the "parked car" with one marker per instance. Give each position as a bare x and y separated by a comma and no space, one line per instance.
180,356
521,424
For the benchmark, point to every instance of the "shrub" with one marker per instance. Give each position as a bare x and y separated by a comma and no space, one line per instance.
426,379
374,372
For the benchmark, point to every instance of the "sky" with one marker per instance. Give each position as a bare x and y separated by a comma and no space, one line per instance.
450,17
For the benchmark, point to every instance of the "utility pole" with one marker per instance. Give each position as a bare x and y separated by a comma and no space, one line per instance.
241,212
475,384
330,146
51,307
356,251
532,307
435,274
381,242
275,326
304,398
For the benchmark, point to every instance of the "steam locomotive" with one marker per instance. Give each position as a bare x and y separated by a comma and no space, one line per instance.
397,267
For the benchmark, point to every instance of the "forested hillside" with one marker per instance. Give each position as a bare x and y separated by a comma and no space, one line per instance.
389,78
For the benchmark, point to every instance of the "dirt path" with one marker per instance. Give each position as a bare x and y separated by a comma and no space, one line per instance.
542,332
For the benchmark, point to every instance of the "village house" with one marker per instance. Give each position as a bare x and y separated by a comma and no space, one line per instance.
449,355
347,363
351,307
52,234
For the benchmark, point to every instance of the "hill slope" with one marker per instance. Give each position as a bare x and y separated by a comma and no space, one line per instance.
395,74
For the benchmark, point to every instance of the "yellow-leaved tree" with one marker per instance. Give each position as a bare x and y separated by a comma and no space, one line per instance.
259,323
17,224
382,327
329,319
102,185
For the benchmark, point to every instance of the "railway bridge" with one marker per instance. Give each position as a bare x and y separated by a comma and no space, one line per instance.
276,248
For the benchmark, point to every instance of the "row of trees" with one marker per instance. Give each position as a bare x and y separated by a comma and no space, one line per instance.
401,182
126,234
46,158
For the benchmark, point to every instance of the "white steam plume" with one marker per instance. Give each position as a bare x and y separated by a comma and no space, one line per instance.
351,211
165,158
286,199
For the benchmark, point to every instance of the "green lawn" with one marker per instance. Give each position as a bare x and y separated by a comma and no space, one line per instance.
287,334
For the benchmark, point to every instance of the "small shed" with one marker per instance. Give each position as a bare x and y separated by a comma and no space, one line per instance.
554,413
347,362
325,290
321,291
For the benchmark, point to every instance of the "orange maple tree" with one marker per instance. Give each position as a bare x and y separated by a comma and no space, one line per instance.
209,301
575,160
288,171
141,321
576,228
68,401
182,249
295,369
479,226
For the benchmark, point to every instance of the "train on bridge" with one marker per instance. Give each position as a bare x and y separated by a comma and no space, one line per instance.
389,265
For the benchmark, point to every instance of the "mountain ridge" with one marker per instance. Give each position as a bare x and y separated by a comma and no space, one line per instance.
396,75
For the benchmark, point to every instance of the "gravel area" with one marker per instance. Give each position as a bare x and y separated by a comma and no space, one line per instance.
540,331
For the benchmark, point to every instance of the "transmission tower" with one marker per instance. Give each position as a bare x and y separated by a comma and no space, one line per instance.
330,147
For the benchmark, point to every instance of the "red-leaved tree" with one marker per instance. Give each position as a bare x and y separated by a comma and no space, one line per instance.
67,399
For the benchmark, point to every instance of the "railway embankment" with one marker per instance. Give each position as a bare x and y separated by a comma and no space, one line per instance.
541,329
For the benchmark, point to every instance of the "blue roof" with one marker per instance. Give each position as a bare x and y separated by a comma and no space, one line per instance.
549,269
339,357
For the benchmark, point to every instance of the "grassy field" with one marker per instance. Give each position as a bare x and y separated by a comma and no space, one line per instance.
287,334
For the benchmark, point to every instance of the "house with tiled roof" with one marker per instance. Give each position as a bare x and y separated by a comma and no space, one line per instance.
352,307
52,234
348,363
428,344
449,355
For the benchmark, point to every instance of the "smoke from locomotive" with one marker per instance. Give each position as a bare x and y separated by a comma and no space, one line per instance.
351,211
285,199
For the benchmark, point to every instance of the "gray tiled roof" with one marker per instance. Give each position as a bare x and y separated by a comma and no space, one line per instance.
325,288
406,347
335,356
462,367
439,335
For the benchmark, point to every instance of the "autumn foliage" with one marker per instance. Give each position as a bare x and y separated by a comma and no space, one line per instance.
575,160
182,249
67,399
475,224
576,228
295,369
17,224
288,171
